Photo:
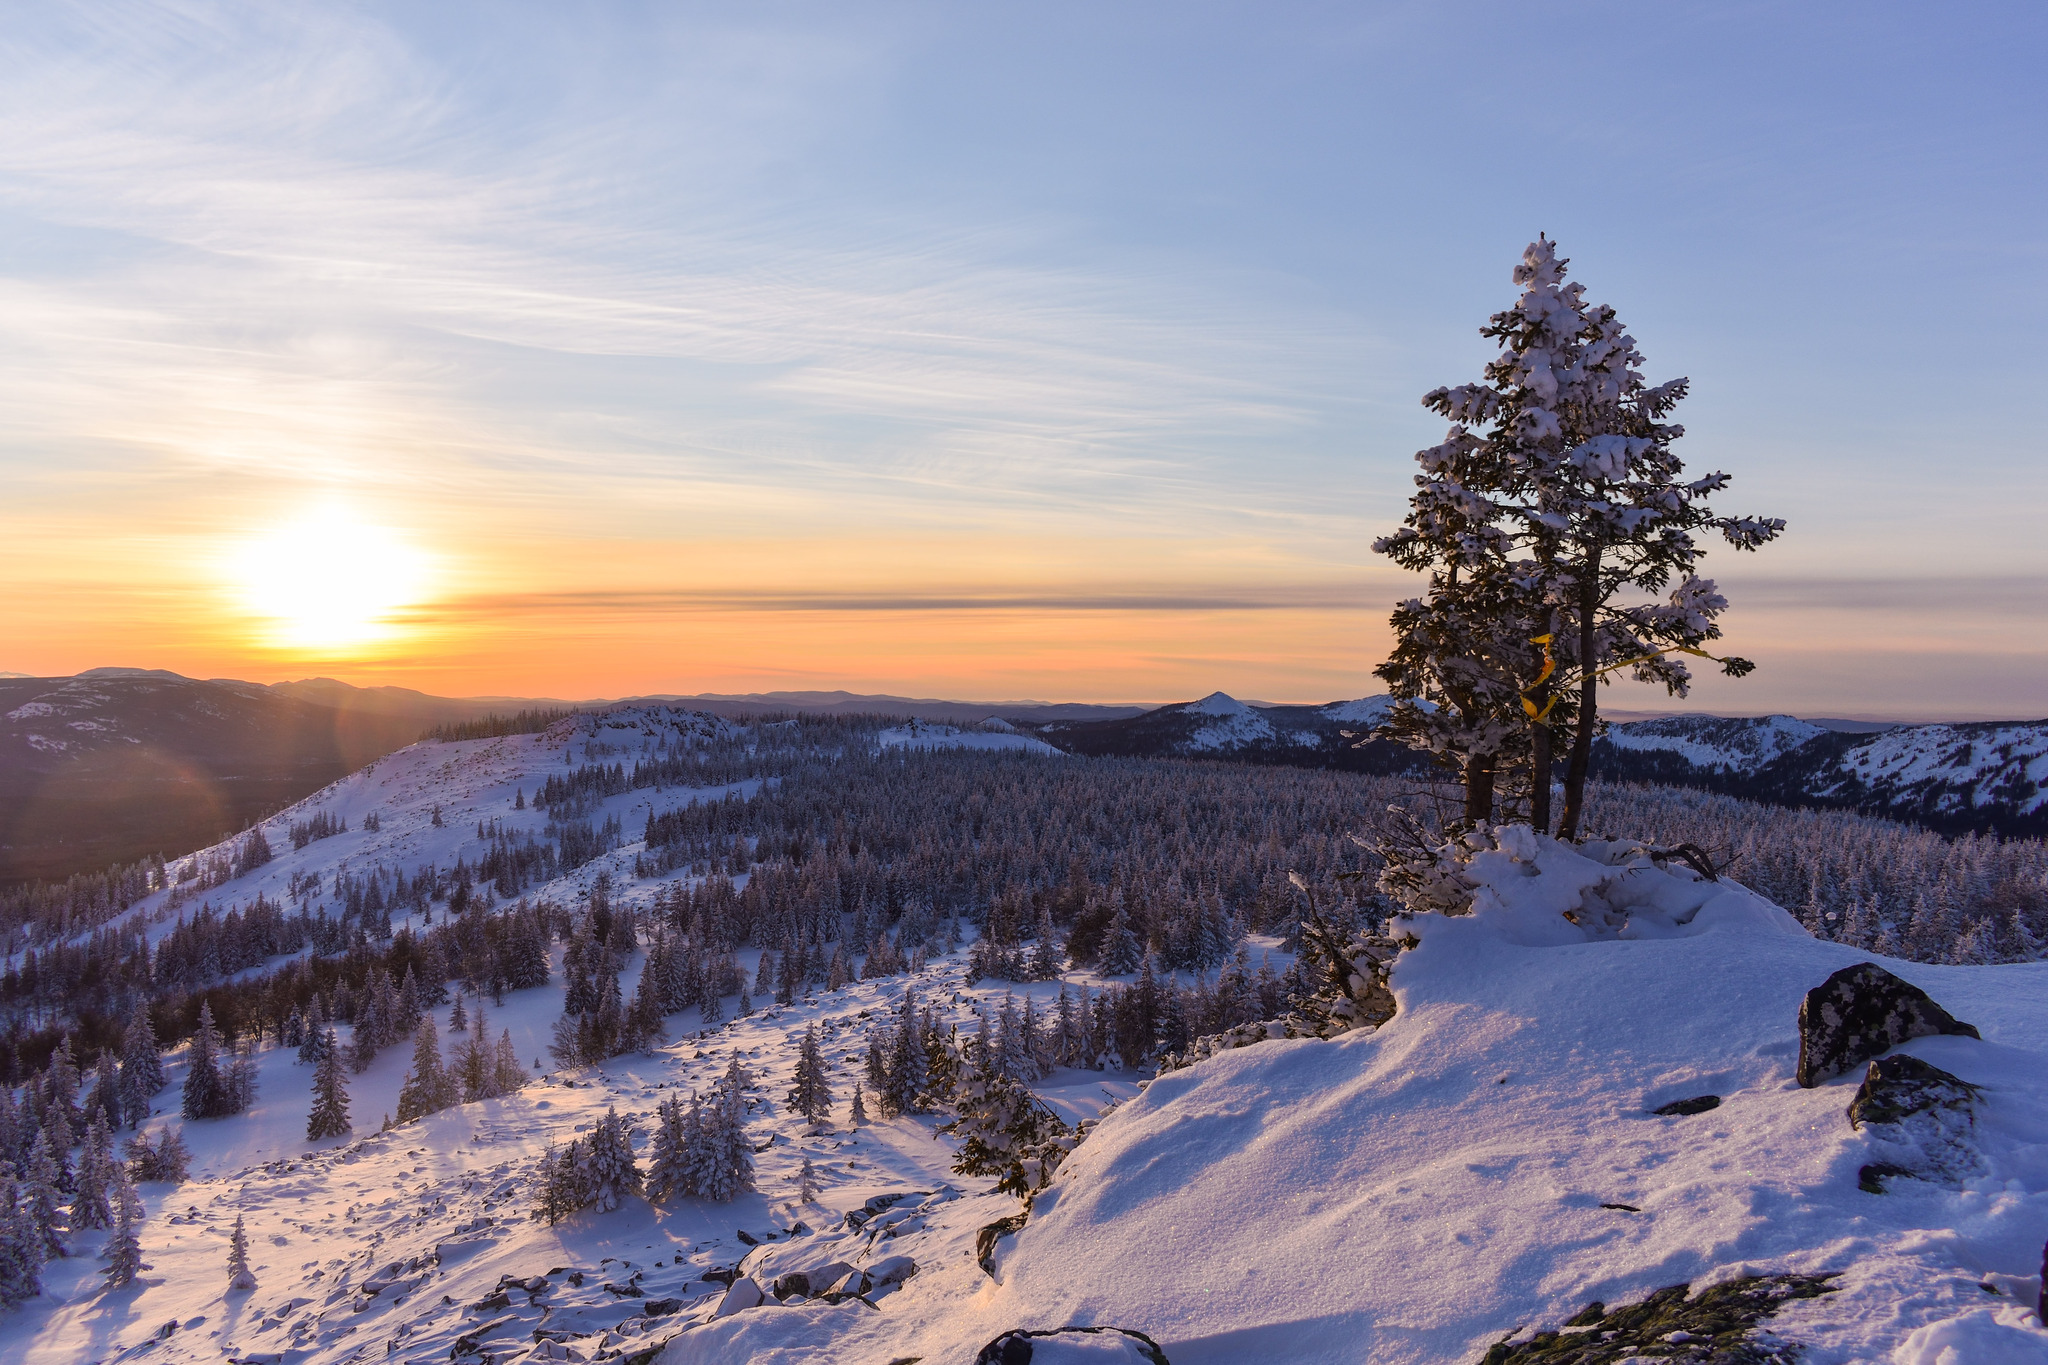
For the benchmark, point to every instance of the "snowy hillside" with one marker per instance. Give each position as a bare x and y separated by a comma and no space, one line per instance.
991,736
1478,1169
1715,742
1988,777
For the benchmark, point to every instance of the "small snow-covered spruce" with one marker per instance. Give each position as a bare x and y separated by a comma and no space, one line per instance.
1008,1133
859,1115
669,1174
22,1250
90,1206
164,1160
240,1276
206,1093
124,1247
560,1187
41,1196
807,1182
613,1174
426,1087
810,1094
329,1116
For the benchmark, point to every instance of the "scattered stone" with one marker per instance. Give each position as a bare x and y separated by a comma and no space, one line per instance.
985,1241
743,1294
1862,1012
1056,1346
661,1308
1717,1326
491,1303
1920,1119
1698,1104
1870,1179
1625,1208
747,1238
1896,1088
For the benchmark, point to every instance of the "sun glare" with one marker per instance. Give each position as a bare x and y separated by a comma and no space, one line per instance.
328,580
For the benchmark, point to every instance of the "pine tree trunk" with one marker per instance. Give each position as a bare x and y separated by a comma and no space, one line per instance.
1540,739
1479,788
1589,700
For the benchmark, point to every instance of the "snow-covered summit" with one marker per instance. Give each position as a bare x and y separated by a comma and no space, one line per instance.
1363,711
1217,704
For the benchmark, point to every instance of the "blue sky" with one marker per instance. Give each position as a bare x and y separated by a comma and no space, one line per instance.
1054,351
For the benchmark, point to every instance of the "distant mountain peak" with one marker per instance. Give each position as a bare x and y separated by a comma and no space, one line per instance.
1217,704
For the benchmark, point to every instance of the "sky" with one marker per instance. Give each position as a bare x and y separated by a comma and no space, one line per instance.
1061,351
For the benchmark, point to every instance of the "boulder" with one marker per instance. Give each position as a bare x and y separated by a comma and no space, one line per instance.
985,1241
743,1294
1698,1104
1862,1012
1920,1119
1072,1346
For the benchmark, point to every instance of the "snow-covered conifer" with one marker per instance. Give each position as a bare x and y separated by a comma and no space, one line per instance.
207,1091
613,1174
507,1075
90,1206
22,1247
810,1094
240,1276
859,1113
329,1116
318,1035
427,1086
124,1248
668,1167
165,1160
1121,949
807,1181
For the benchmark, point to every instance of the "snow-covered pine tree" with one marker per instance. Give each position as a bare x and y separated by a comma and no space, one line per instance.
90,1206
559,1183
1008,1132
22,1252
60,1087
909,1073
458,1017
329,1116
668,1171
241,1076
507,1075
293,1034
1568,504
103,1100
240,1276
613,1174
206,1092
426,1087
859,1113
810,1093
735,1153
318,1035
470,1074
1121,950
41,1197
124,1248
807,1182
164,1160
644,1025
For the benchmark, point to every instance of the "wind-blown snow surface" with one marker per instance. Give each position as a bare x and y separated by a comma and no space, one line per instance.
1417,1193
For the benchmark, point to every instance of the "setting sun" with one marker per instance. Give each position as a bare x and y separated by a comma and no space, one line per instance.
327,580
